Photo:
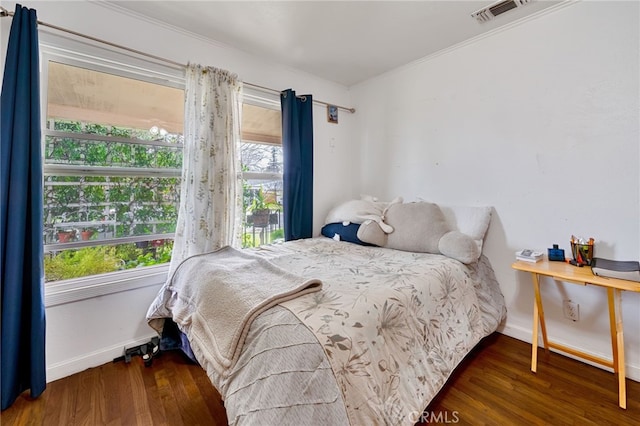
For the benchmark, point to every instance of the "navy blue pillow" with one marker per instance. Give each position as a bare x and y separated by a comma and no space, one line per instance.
347,233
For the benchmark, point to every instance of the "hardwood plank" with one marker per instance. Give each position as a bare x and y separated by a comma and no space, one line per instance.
68,401
154,402
53,403
25,411
454,399
493,385
111,379
209,393
90,400
141,410
164,377
125,395
190,402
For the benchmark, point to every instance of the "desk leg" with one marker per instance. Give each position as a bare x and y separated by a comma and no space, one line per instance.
538,318
617,342
534,338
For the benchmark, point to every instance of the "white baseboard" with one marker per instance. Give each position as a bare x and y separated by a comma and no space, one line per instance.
524,334
93,359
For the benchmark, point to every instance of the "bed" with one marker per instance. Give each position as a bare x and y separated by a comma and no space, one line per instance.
359,335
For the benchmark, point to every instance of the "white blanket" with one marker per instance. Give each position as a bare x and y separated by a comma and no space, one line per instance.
219,294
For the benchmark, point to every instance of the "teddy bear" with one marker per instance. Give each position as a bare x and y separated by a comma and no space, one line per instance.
419,227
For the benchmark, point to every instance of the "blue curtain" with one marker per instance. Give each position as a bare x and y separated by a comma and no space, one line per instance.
297,149
21,250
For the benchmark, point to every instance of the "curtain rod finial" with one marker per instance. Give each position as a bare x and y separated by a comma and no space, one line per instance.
3,11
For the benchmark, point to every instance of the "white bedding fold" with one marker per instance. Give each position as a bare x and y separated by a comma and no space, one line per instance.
217,295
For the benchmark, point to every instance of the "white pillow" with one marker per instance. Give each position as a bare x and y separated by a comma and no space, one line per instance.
470,220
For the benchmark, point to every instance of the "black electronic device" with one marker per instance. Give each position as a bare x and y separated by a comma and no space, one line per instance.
146,351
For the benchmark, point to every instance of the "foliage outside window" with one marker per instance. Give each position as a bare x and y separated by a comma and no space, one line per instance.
111,191
90,209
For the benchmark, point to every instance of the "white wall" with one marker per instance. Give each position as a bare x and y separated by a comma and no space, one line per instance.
540,121
94,331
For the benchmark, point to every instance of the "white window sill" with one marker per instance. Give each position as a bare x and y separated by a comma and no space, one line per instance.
67,291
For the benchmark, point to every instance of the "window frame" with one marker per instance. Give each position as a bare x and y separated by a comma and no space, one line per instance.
81,54
60,49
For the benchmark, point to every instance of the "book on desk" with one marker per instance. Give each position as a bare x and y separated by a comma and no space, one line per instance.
622,269
529,255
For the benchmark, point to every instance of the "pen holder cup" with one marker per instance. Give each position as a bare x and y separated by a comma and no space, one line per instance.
582,253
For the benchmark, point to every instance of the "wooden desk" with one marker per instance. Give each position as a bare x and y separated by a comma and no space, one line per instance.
565,272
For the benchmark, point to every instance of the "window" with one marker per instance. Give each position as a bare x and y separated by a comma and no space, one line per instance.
112,148
261,156
112,152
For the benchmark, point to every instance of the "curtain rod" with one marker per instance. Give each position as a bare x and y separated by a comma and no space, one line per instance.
4,12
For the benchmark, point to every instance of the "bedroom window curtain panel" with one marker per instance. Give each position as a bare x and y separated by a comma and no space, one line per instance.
23,314
211,187
297,148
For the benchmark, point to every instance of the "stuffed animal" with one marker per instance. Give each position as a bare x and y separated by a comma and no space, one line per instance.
359,211
420,227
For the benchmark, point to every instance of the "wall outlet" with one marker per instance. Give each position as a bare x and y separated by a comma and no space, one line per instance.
571,310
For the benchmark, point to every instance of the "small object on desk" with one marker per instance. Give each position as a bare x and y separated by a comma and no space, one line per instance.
556,254
622,269
582,251
529,255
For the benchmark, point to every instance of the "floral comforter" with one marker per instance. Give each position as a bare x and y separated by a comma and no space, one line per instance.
393,325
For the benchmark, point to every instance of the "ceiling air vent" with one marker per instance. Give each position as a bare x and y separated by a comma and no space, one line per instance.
489,12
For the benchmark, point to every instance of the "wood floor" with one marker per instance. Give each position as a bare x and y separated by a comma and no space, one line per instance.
493,386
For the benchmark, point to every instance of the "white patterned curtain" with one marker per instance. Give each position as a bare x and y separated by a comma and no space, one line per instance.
211,189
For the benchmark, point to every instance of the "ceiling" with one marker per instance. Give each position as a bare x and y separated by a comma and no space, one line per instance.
346,42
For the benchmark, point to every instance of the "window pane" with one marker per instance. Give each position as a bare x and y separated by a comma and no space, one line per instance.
75,263
76,150
257,157
111,207
260,124
80,94
262,166
112,172
262,202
